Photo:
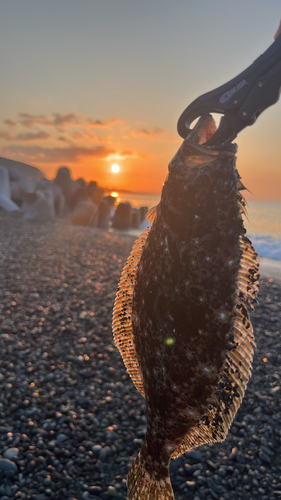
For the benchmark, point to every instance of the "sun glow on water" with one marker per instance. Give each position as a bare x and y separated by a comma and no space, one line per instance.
115,195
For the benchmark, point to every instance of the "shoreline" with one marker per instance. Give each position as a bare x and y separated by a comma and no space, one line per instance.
270,269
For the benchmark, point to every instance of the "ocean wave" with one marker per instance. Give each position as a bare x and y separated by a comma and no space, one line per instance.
267,247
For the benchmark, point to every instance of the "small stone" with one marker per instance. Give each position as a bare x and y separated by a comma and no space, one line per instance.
112,491
249,418
190,469
211,464
264,457
61,438
95,490
112,436
240,458
269,452
202,479
105,496
4,430
256,439
88,444
96,449
30,466
64,409
222,471
8,466
211,484
257,410
195,455
104,453
191,485
11,453
214,494
275,390
20,495
233,454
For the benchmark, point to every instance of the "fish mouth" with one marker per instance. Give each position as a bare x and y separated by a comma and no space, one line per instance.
203,131
195,148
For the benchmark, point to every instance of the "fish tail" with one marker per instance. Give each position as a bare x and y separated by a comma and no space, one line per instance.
144,486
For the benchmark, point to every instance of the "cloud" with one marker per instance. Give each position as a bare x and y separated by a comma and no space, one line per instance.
69,128
7,136
122,155
68,138
10,123
55,119
33,137
47,155
151,134
104,124
86,136
24,137
59,121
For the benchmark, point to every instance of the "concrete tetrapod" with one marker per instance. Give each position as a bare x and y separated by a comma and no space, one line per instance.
5,192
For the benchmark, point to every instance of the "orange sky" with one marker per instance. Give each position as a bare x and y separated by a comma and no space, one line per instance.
88,84
89,148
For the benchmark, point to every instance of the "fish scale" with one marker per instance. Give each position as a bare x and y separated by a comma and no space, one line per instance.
181,318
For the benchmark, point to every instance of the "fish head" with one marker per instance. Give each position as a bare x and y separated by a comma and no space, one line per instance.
194,150
198,175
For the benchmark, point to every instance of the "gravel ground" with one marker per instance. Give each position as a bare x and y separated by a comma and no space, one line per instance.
71,421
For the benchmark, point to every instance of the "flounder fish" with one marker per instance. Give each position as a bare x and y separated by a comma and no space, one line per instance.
181,319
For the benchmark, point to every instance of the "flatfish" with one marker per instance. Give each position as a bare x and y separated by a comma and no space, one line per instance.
181,314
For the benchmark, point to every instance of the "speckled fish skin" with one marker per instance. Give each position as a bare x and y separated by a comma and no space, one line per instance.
191,341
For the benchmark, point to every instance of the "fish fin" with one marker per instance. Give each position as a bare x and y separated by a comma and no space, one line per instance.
243,205
151,214
122,312
143,486
249,270
236,371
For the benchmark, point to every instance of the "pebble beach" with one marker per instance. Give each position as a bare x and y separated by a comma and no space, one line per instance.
71,420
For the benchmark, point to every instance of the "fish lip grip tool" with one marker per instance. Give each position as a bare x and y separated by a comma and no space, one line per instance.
240,100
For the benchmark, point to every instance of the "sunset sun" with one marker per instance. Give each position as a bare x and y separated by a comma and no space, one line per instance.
115,168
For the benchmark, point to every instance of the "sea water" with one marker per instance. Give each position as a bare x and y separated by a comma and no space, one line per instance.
263,223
